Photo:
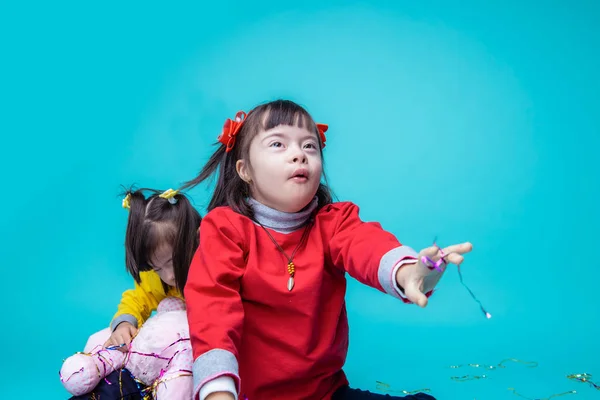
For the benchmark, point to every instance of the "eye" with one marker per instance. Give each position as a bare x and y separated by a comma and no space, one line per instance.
310,146
276,144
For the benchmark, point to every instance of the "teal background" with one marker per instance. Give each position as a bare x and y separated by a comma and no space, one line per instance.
464,120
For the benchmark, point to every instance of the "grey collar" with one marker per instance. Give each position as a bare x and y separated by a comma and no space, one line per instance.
281,221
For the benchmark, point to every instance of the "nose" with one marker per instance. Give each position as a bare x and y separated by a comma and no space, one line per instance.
298,156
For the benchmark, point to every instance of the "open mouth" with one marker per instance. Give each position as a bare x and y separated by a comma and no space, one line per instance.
300,175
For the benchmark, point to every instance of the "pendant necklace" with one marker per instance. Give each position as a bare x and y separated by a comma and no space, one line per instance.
291,268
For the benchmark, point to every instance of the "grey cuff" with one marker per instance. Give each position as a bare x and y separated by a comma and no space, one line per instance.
123,318
213,364
388,266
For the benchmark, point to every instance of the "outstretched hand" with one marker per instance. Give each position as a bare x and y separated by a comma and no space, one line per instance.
412,278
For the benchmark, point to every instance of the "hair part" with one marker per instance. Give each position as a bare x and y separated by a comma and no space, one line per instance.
153,222
231,190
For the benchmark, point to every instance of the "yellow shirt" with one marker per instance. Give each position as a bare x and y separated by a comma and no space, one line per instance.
138,303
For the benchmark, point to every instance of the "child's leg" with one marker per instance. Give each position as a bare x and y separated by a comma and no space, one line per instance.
345,393
118,385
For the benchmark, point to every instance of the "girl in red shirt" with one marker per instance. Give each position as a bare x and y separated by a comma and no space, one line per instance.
266,287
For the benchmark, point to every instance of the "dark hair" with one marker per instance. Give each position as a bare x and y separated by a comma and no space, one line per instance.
230,189
153,220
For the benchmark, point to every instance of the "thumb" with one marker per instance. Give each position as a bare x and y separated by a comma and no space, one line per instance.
414,294
132,330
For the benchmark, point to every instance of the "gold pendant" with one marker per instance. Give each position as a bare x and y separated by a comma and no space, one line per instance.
291,270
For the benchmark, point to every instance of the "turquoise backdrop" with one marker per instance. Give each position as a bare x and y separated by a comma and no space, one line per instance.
468,120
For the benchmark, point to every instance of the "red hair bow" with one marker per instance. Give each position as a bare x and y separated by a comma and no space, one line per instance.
322,128
231,129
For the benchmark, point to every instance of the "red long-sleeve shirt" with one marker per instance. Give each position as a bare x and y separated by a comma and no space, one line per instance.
246,324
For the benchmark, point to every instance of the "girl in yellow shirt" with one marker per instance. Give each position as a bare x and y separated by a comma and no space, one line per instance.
161,239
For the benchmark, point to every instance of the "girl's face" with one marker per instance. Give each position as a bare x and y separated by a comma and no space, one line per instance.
284,167
162,263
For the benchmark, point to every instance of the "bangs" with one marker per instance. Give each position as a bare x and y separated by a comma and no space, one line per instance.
154,235
268,116
286,113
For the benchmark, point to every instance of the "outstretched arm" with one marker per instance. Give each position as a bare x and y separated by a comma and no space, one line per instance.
376,258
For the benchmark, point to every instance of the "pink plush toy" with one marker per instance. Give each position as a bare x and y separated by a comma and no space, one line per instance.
160,356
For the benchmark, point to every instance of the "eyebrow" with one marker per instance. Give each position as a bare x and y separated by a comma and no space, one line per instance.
282,135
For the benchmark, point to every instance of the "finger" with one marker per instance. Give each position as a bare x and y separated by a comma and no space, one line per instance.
120,342
458,248
119,339
429,252
430,258
132,330
413,294
111,344
123,343
454,258
426,256
126,339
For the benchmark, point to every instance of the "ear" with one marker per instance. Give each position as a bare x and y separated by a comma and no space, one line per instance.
243,171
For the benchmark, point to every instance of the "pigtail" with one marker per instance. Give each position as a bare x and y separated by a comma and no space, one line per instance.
230,189
187,239
216,161
137,210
